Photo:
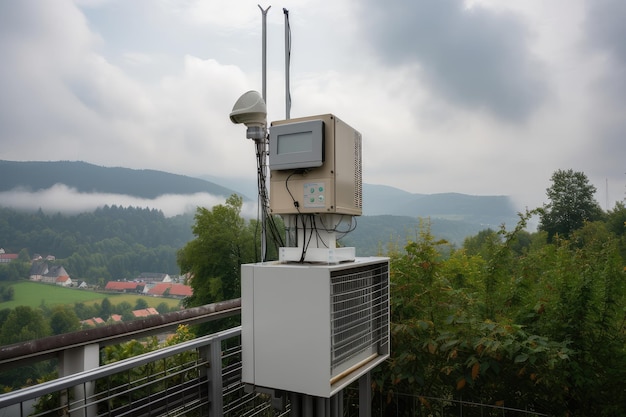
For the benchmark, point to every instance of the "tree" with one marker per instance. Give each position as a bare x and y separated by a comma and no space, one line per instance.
480,244
124,309
571,204
163,308
105,308
23,323
64,320
616,219
85,312
141,304
452,334
213,259
6,293
24,256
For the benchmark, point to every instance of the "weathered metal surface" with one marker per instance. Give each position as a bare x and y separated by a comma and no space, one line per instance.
48,347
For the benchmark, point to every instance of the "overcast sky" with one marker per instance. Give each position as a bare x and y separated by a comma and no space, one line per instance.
480,97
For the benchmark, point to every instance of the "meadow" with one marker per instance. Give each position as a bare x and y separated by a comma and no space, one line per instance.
34,294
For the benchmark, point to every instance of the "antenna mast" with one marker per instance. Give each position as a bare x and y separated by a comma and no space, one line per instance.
262,146
287,65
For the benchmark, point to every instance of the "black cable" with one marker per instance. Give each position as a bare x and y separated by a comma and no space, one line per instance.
317,233
305,245
296,204
260,209
271,227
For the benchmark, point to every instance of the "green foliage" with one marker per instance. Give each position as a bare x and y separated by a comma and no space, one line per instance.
7,293
214,257
24,323
105,309
571,204
509,311
110,243
580,300
63,319
163,374
14,270
141,304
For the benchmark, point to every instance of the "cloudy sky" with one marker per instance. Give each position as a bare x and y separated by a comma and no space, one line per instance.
480,97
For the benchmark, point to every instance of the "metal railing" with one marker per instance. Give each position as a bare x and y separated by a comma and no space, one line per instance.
201,377
411,405
195,378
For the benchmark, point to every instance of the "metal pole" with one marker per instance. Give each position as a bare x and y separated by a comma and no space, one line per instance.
264,53
287,64
262,144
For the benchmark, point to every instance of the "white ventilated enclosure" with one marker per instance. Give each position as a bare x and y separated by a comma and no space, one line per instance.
313,329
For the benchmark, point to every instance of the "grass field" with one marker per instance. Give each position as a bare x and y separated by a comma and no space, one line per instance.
34,294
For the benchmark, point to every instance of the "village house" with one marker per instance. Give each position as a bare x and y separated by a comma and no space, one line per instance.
145,312
151,277
124,286
170,290
94,322
115,318
64,281
53,274
5,258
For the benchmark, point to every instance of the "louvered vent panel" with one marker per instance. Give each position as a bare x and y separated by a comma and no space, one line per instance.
358,175
359,312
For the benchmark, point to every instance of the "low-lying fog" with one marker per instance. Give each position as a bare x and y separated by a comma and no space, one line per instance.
63,199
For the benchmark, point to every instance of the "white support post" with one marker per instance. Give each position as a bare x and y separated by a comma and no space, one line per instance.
77,360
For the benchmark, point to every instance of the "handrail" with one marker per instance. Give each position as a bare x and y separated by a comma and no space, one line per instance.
44,348
79,378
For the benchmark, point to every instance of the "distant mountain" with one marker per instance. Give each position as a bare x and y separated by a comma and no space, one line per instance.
374,234
88,178
486,210
389,214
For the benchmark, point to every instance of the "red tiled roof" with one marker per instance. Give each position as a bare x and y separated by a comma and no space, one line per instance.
176,290
8,256
150,311
116,317
93,322
120,285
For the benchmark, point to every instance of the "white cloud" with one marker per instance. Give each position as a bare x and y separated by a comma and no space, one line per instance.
62,199
150,85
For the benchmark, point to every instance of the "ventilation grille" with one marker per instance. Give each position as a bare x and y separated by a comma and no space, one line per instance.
358,175
360,312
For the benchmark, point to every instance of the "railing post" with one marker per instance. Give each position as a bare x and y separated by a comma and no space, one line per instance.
216,401
204,354
365,395
76,360
296,404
